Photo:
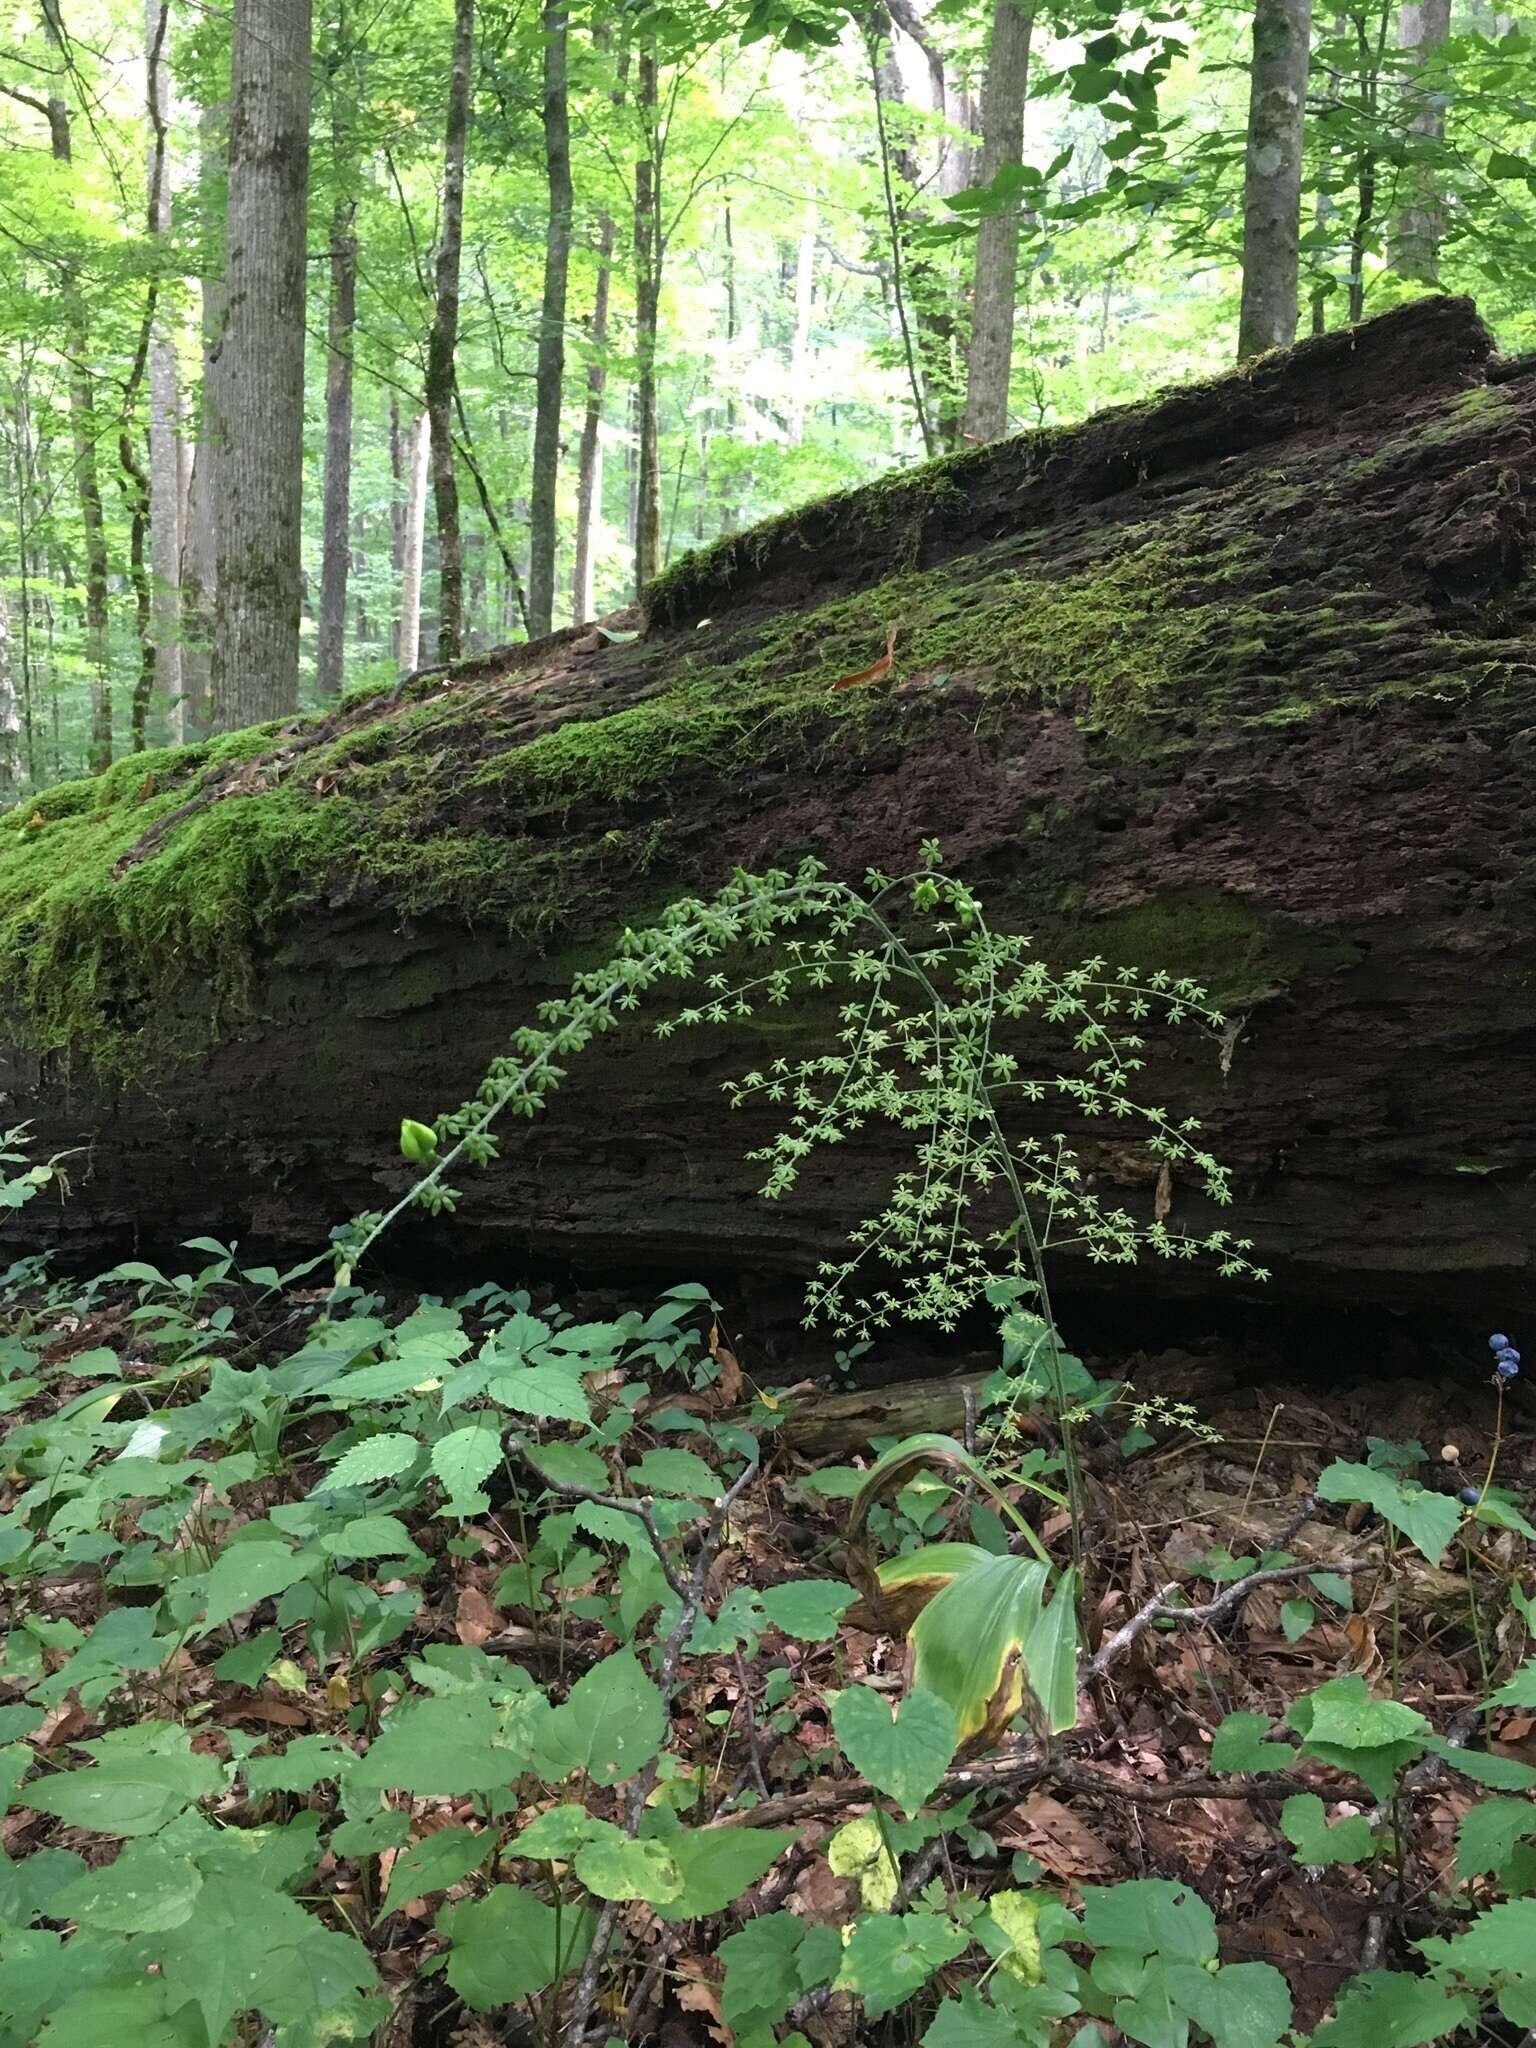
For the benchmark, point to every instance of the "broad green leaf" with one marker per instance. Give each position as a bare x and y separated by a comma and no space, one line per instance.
761,1981
509,1945
1345,1715
676,1472
129,1795
1486,1839
1150,1916
1503,1938
439,1748
1504,1773
306,1761
1429,1520
1296,1617
893,1955
557,1834
808,1609
904,1757
1244,2005
384,1456
244,1573
987,1645
1305,1822
967,2021
146,1889
552,1393
1391,2009
1335,1587
147,2014
718,1864
1239,1745
615,1868
610,1727
570,1465
371,1536
858,1849
433,1863
463,1460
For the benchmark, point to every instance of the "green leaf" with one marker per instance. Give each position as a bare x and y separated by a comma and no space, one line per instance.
1519,1690
308,1760
463,1460
1502,165
808,1609
1239,1745
433,1863
128,1795
718,1864
1486,1839
1503,1938
615,1868
557,1834
439,1748
1504,1773
384,1456
905,1757
761,1981
1244,2005
1305,1822
969,2022
147,1889
1390,2009
1344,1715
1335,1587
545,1392
610,1727
1428,1520
142,2015
1150,1916
418,1142
244,1573
509,1945
371,1536
1296,1617
675,1472
890,1957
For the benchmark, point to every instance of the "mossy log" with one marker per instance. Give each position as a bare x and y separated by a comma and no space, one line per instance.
1239,683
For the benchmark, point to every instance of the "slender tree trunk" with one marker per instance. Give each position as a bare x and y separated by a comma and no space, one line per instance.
589,467
443,342
1415,243
989,362
137,489
261,368
408,628
800,340
200,539
550,383
336,517
83,431
1282,31
164,396
10,715
399,469
648,261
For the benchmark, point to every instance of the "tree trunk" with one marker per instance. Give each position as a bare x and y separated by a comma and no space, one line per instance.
1282,32
200,535
649,255
336,515
164,398
550,378
1415,241
136,493
84,431
1314,799
800,339
413,537
989,361
10,710
442,343
261,368
589,468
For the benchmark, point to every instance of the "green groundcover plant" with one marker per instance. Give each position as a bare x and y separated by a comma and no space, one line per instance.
277,1766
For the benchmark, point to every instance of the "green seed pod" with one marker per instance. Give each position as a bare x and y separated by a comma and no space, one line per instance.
418,1142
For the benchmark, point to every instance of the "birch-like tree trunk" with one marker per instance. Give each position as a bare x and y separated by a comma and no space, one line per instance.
261,367
164,395
1414,247
336,513
648,261
1282,35
443,342
413,542
84,430
989,359
199,527
549,387
10,710
589,465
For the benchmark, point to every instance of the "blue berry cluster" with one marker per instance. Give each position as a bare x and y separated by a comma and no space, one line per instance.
1506,1359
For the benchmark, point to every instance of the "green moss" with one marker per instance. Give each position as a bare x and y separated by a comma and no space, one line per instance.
1232,951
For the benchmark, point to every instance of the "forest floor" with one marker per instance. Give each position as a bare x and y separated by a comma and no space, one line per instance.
1129,1793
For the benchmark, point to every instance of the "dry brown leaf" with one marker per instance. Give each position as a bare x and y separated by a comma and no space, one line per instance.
1053,1834
876,671
475,1619
1162,1201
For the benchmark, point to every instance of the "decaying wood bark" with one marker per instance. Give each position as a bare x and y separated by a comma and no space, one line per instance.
1238,683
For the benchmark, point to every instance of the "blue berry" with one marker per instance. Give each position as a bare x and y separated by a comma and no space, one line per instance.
1509,1352
1508,1368
1499,1343
1469,1496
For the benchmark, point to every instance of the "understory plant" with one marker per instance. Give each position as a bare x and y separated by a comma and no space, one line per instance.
371,1667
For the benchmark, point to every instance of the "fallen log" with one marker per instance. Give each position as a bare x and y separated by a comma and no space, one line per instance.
1238,683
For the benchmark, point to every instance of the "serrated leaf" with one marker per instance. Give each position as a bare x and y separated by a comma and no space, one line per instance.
463,1459
384,1456
551,1393
904,1757
1486,1839
440,1748
1391,2009
1503,1938
434,1863
308,1760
